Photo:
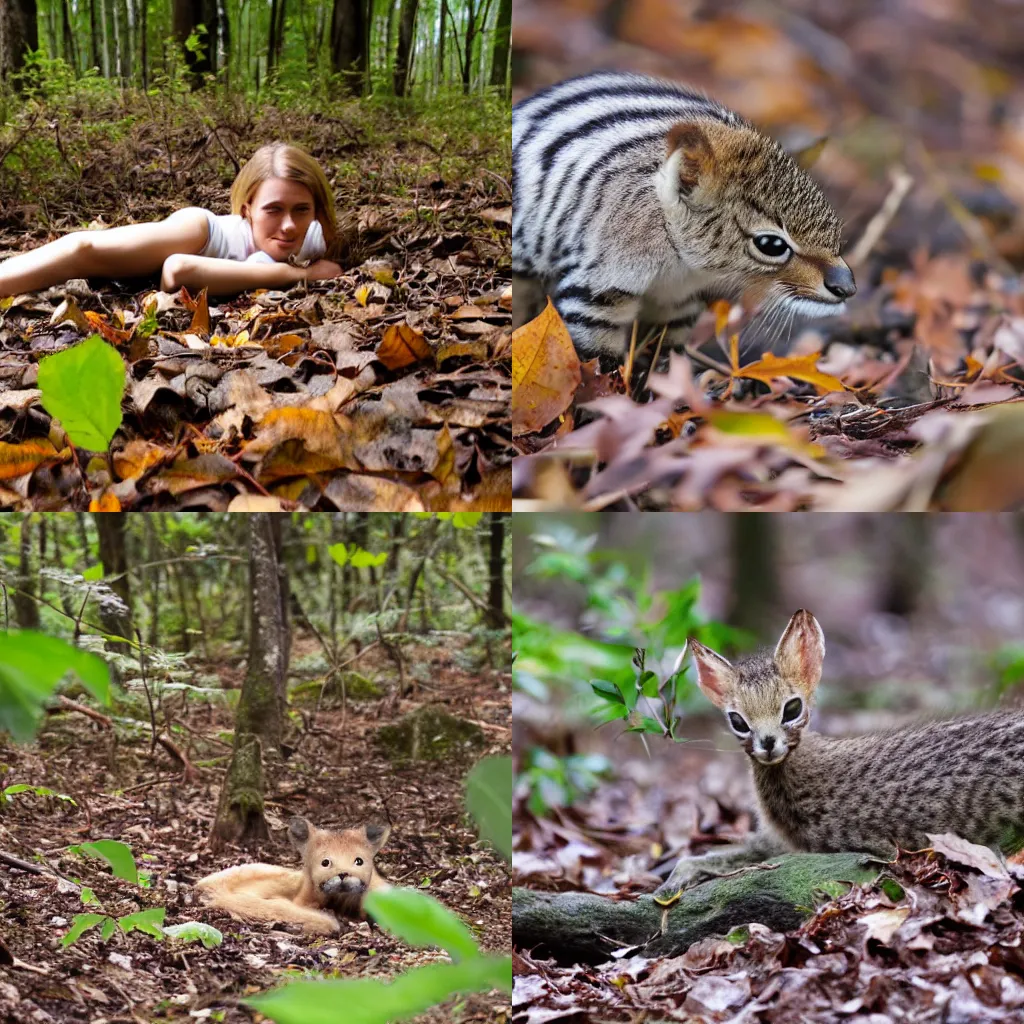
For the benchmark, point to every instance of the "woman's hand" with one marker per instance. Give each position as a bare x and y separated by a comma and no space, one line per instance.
322,270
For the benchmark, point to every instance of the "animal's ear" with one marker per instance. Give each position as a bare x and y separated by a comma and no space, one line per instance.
801,651
691,156
715,676
377,835
299,831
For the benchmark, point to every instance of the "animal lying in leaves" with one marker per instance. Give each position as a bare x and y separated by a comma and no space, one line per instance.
337,872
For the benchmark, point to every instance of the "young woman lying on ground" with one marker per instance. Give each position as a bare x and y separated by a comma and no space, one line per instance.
281,208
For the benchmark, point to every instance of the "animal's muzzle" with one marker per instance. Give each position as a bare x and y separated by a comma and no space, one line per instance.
338,885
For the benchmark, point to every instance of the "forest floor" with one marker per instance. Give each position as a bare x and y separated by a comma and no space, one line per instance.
908,402
386,389
936,937
337,777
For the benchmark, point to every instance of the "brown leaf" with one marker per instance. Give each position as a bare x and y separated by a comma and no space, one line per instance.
402,346
545,372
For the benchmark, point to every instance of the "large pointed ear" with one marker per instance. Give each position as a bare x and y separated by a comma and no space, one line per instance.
299,832
715,676
696,157
377,835
801,651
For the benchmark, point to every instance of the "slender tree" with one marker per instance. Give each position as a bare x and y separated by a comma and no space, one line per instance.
19,31
502,44
406,35
349,43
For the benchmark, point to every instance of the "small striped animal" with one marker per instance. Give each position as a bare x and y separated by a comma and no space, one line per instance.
637,199
873,792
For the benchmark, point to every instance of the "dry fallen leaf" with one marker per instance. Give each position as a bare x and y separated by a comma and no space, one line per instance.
545,372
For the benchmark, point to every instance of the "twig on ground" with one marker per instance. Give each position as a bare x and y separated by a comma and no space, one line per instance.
902,183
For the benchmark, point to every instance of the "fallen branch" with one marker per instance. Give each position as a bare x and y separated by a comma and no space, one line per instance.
576,927
191,775
67,704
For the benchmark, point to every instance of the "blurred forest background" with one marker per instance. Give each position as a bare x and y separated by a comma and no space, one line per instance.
922,103
922,616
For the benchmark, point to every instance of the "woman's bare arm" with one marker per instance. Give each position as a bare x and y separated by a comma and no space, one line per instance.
223,277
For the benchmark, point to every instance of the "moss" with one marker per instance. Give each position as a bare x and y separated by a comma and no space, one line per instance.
357,687
428,734
582,927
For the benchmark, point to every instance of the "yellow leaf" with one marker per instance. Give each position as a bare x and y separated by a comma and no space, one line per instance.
385,276
106,502
401,346
770,367
362,294
545,372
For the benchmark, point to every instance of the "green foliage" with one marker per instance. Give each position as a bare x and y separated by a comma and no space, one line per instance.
552,781
354,555
368,1001
195,931
625,663
117,855
147,921
11,791
1008,663
489,801
31,666
419,920
90,415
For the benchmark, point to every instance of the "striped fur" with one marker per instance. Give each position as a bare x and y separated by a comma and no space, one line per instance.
637,199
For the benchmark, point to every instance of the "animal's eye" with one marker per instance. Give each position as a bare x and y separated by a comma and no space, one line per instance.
771,245
738,723
792,710
325,863
359,862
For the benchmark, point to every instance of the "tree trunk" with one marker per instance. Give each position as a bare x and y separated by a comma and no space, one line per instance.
755,573
263,700
583,928
502,44
26,607
348,43
259,721
496,618
19,31
406,35
110,529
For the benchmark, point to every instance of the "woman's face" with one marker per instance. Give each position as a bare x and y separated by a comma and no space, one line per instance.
281,210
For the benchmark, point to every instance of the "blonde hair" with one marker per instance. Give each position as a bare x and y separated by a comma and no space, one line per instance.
279,160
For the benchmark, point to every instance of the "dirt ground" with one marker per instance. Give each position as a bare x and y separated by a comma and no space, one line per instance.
336,776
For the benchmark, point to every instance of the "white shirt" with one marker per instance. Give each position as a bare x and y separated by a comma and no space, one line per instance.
231,238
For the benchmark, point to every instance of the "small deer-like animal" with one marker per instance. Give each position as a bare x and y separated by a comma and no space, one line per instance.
337,872
872,792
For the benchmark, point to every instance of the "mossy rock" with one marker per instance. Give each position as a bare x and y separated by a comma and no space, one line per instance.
429,734
357,687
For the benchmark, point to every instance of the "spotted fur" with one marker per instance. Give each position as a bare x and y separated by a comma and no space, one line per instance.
823,794
637,199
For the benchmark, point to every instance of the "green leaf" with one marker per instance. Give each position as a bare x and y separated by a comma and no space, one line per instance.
489,801
362,559
148,921
31,666
82,386
367,1001
606,691
117,855
648,684
466,520
88,896
420,920
94,572
339,552
80,924
195,931
108,929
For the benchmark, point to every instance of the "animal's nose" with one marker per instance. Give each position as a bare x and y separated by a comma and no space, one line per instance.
839,281
769,743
